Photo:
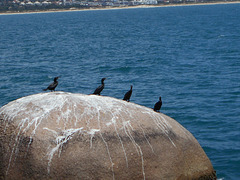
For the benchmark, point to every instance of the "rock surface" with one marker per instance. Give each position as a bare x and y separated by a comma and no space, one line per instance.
74,136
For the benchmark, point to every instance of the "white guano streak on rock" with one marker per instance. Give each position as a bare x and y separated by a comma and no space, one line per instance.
167,130
162,125
158,119
146,138
141,153
110,158
115,127
15,147
60,139
127,132
128,128
126,125
91,133
130,115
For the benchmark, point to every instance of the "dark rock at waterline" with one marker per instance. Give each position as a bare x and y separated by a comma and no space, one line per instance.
74,136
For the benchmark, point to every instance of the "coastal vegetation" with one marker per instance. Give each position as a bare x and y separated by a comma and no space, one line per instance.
10,6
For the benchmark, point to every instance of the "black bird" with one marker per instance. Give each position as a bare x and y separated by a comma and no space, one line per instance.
158,105
100,88
52,86
128,95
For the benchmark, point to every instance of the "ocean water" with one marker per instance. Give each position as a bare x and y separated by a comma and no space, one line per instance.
189,55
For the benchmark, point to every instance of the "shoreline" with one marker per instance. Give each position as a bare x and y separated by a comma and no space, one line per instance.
116,8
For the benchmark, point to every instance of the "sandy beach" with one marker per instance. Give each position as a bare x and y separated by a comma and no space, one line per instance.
113,8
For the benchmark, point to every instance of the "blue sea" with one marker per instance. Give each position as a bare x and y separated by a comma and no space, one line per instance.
188,55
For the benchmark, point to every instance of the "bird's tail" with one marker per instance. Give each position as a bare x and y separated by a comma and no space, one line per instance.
45,89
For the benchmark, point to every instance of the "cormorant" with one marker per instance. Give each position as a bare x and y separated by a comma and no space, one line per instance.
158,105
100,88
52,86
128,95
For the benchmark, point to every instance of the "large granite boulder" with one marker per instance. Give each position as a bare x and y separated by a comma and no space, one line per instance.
62,135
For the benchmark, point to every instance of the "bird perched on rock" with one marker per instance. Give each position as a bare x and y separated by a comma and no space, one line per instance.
52,86
158,105
100,88
128,95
